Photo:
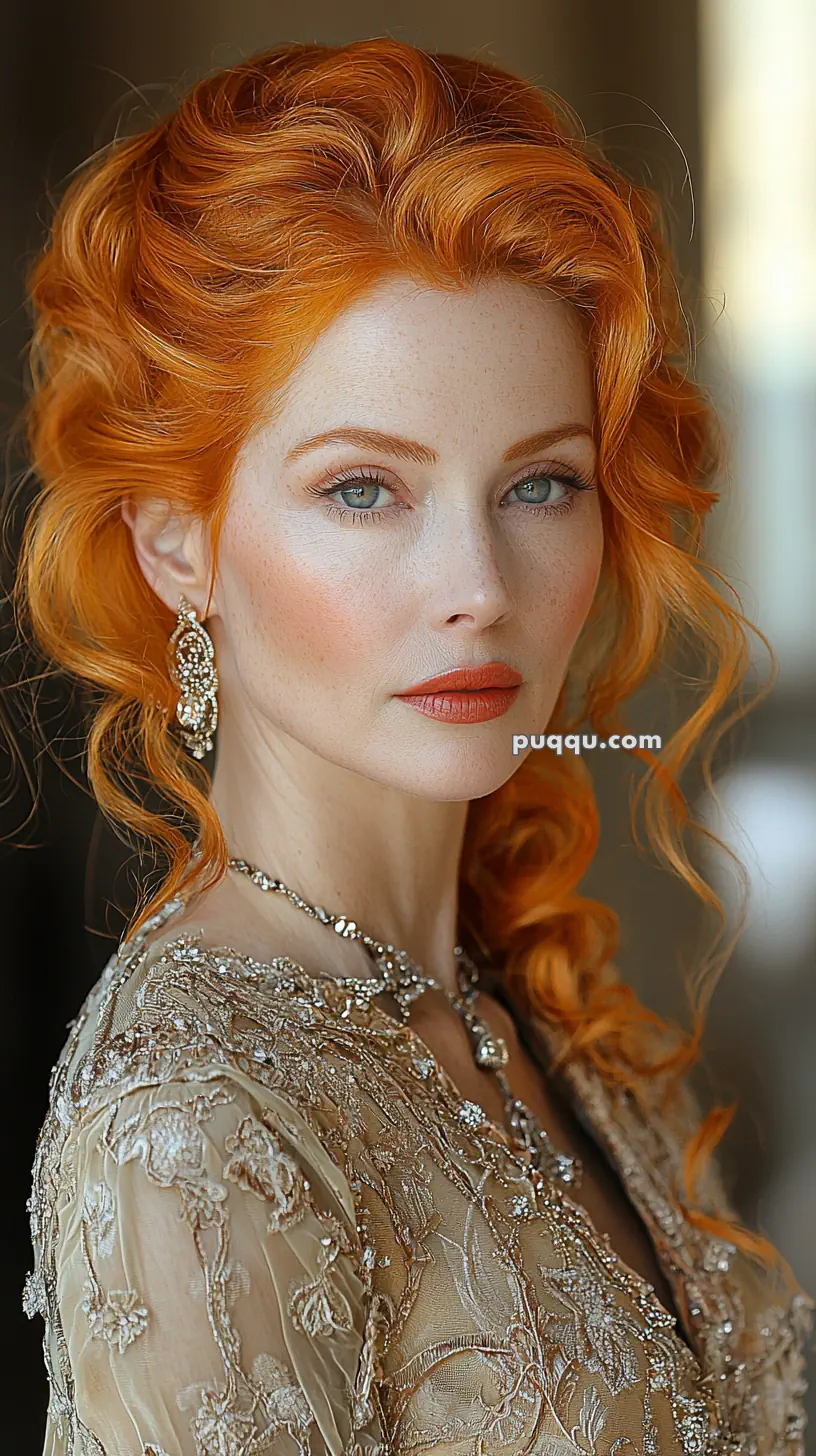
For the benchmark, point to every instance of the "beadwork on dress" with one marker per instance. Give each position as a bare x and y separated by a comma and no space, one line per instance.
264,1221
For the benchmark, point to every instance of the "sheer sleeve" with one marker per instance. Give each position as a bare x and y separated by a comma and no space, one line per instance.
211,1287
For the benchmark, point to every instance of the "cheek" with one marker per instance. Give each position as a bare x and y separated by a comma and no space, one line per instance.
307,607
579,591
566,582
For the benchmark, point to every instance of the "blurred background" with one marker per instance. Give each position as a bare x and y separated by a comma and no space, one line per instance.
713,105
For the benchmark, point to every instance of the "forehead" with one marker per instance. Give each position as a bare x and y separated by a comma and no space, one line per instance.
499,347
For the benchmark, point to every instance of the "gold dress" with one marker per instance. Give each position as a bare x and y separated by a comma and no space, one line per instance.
265,1221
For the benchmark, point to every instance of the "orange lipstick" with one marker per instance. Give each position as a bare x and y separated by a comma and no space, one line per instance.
466,694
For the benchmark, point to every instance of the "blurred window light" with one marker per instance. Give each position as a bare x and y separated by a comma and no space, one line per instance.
767,815
759,133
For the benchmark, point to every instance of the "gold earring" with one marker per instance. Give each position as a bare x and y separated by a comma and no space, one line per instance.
191,663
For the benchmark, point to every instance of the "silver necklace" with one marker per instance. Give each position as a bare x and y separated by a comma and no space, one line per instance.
402,978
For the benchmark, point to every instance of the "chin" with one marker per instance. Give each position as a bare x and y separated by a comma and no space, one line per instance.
448,773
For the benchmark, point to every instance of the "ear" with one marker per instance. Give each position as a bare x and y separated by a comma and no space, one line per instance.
172,551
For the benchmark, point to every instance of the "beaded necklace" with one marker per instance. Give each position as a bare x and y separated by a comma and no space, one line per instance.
402,978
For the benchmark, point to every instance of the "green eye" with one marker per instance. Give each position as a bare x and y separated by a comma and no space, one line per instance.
538,490
364,496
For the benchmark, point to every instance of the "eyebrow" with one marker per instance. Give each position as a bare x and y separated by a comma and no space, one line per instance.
404,449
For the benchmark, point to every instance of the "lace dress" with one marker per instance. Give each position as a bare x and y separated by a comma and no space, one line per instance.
265,1221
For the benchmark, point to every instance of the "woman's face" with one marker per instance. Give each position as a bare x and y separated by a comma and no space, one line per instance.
414,507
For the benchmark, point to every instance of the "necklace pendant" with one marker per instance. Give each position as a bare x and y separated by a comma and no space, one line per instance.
489,1051
523,1125
403,979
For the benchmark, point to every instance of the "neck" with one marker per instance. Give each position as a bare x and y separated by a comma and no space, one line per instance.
387,859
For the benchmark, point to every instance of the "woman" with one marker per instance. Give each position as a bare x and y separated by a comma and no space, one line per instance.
359,1145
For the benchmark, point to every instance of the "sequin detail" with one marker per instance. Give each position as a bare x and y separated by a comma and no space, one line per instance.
319,1188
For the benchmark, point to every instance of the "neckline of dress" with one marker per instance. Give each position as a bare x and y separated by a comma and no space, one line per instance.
601,1244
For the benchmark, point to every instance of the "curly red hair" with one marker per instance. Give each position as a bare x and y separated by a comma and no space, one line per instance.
188,271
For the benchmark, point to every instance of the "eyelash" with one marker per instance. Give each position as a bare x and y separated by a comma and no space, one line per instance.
574,480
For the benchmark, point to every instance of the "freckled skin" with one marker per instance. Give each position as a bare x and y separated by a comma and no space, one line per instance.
322,621
323,776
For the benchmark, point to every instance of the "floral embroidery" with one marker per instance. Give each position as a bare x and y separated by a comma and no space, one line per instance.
319,1307
591,1421
171,1146
260,1165
284,1401
596,1332
117,1318
34,1295
236,1282
471,1114
203,1202
473,1306
220,1429
693,1422
98,1213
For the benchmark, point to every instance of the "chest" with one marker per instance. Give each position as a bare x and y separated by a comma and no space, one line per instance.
510,1325
601,1192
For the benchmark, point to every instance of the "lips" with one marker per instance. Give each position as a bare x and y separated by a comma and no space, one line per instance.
467,680
466,694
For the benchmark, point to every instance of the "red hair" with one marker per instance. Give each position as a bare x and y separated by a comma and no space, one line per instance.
188,271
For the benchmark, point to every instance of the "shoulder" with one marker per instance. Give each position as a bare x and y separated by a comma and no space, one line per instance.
170,1034
177,1009
183,1188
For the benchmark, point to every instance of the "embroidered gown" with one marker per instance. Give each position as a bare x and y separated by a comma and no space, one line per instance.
265,1221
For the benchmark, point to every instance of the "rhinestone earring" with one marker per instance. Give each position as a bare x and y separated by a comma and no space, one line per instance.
191,663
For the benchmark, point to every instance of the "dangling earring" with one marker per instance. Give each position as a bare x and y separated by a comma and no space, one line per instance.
191,663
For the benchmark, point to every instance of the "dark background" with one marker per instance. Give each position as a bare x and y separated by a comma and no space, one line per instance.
69,75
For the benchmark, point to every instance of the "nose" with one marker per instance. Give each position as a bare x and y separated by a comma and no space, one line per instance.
465,586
